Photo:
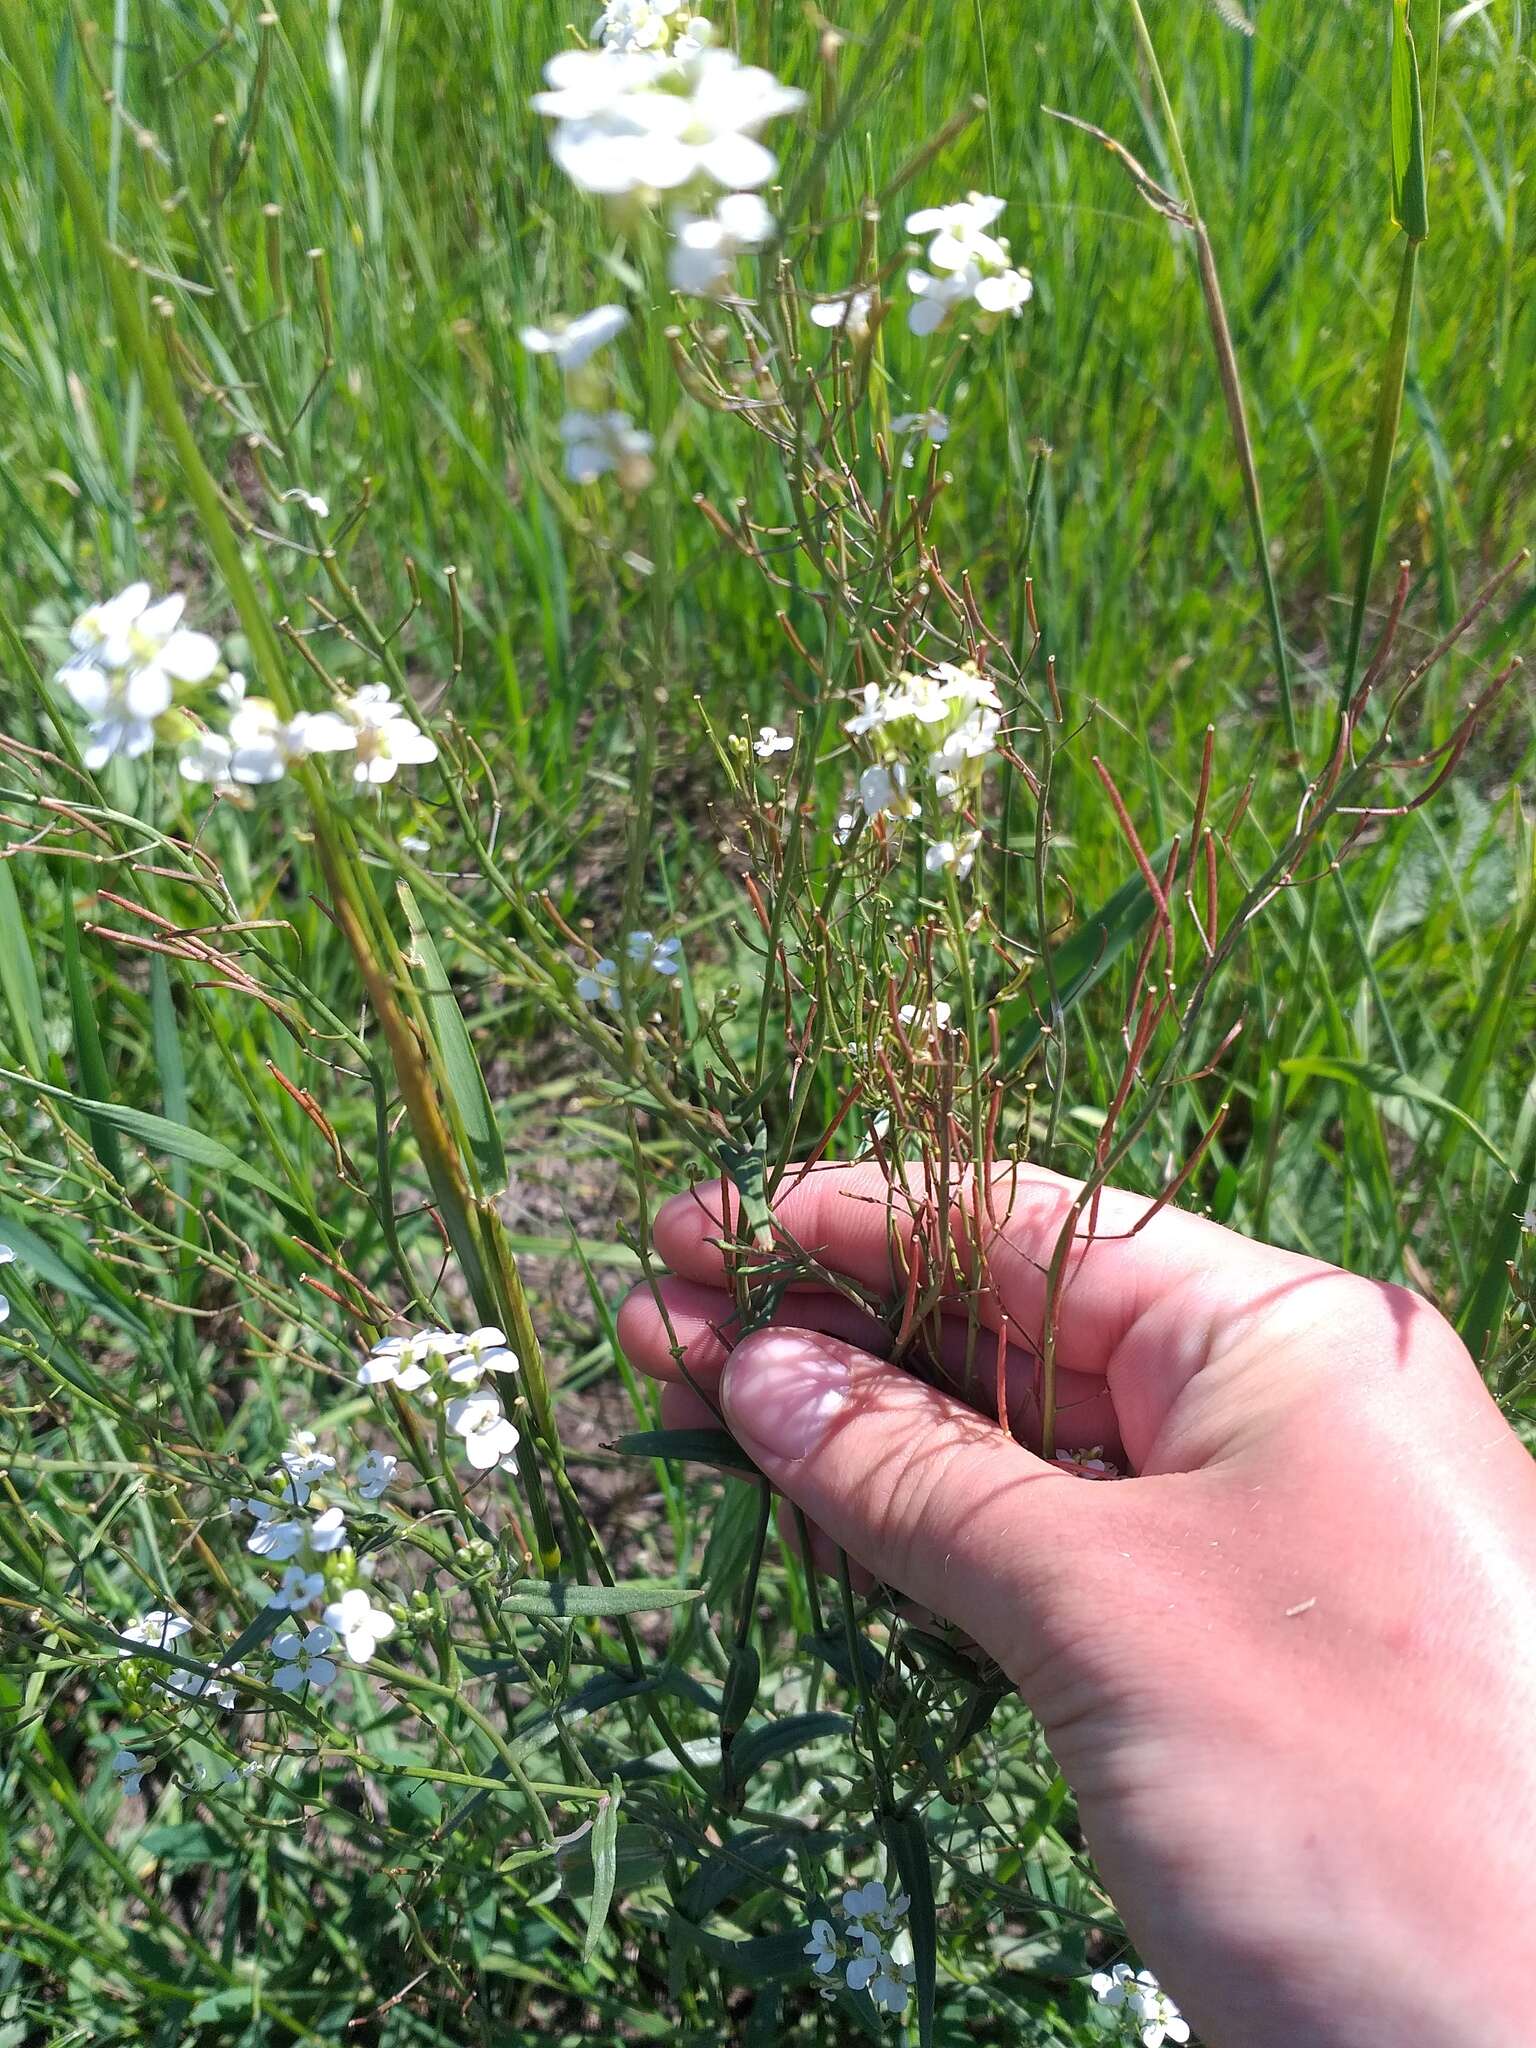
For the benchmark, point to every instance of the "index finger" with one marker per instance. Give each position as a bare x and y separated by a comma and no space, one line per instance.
858,1223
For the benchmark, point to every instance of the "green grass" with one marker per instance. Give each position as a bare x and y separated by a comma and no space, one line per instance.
339,219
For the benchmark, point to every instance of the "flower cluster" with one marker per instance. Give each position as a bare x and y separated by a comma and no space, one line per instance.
133,664
968,266
157,1630
650,958
942,724
872,1949
444,1369
1139,1994
656,108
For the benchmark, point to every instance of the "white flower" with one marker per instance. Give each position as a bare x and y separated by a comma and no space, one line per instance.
360,1625
6,1256
158,1629
893,1981
928,1020
771,741
297,1589
958,856
846,821
374,1474
309,501
1527,1224
1089,1464
574,342
384,737
304,1658
822,1948
327,1532
263,746
484,1350
959,231
597,443
703,257
193,1685
395,1361
488,1435
971,265
303,1465
275,1535
130,1770
864,1967
600,984
932,425
668,25
207,759
850,315
1158,2018
872,1902
657,956
129,655
633,120
884,790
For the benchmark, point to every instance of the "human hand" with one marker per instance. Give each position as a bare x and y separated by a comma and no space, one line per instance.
1289,1667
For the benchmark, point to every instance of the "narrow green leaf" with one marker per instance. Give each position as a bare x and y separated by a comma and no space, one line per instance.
909,1848
554,1599
165,1040
605,1868
1384,1080
697,1446
456,1053
1484,1307
18,978
763,1960
755,1747
740,1866
79,1281
160,1134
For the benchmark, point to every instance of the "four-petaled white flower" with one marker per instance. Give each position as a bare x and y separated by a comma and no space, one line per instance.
703,256
275,1535
883,792
630,120
932,426
297,1589
599,983
488,1435
574,342
130,1770
128,657
374,1474
823,1948
6,1256
848,316
872,1902
327,1532
599,443
304,1658
957,856
360,1625
657,956
1087,1464
158,1629
303,1465
482,1351
771,741
395,1361
926,1019
384,737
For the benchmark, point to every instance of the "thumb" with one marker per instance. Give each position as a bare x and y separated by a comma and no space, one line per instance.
931,1497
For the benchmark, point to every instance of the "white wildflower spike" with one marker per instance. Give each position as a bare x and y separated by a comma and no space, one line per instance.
130,1771
574,342
158,1630
968,266
384,737
603,443
360,1625
304,1658
703,256
488,1436
375,1474
633,120
297,1589
668,26
771,741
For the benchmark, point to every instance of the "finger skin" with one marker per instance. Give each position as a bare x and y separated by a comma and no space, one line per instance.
701,1323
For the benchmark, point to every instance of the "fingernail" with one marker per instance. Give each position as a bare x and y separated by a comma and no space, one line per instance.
782,1390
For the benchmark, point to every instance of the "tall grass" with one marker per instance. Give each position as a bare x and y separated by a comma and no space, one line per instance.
274,1076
